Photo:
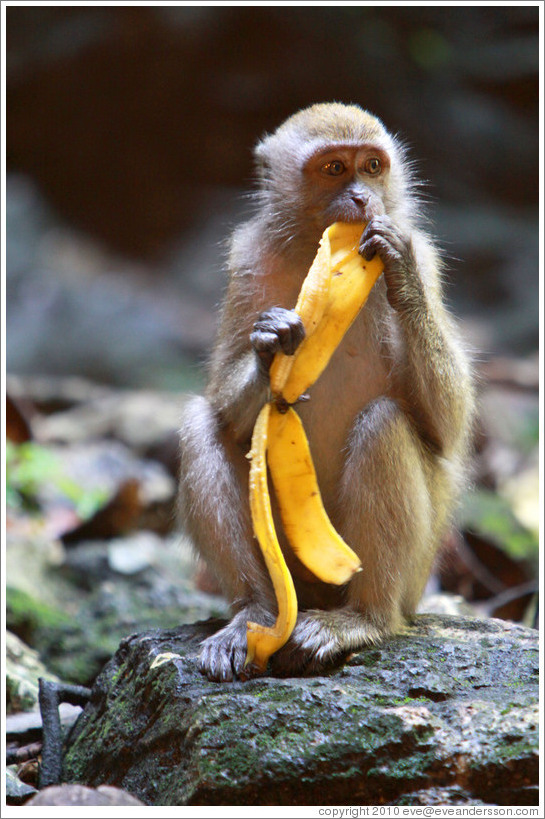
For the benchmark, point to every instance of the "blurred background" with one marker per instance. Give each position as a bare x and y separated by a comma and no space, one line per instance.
129,139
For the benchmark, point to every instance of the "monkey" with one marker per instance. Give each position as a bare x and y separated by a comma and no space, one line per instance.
388,421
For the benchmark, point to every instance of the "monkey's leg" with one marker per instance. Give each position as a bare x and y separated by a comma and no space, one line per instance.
215,513
385,514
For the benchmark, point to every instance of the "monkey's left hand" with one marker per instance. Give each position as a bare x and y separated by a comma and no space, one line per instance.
404,286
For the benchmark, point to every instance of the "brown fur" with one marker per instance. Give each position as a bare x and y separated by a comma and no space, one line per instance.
388,421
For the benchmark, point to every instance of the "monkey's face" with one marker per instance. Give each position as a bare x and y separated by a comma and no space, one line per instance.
346,183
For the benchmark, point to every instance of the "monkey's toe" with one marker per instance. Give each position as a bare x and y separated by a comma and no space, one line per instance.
216,666
249,672
310,650
322,641
223,655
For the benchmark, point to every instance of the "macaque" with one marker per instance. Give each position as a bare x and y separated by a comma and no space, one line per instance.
388,421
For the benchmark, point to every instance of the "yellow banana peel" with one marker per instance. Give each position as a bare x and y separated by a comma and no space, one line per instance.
334,290
306,524
310,307
263,640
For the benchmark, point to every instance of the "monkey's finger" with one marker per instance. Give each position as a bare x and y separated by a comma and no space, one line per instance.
290,336
373,245
276,315
378,222
368,246
368,252
289,329
382,229
264,342
278,329
382,246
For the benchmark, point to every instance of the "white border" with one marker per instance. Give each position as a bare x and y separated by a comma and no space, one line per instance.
221,811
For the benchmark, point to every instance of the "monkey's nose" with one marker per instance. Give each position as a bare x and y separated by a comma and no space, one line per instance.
359,200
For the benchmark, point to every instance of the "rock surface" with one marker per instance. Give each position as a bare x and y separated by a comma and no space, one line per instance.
16,790
446,713
80,796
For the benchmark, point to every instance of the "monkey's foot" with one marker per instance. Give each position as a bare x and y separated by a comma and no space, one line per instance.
322,640
223,655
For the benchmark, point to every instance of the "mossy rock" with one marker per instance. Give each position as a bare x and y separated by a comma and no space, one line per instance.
448,707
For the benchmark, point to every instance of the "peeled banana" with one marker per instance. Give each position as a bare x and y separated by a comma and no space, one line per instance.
347,281
333,292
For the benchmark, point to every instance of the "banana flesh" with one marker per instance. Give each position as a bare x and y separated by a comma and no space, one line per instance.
350,280
336,287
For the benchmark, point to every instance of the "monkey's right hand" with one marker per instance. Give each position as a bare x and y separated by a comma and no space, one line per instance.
276,329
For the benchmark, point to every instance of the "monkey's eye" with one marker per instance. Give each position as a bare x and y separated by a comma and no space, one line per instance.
373,166
333,168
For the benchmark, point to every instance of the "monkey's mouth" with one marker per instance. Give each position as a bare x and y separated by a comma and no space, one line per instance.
351,211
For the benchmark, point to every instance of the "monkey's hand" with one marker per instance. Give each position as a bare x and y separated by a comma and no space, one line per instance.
277,329
404,286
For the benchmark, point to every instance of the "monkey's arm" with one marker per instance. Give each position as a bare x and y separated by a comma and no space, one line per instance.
237,386
434,373
240,364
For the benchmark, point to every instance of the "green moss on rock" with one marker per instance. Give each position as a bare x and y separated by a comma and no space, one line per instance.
365,735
